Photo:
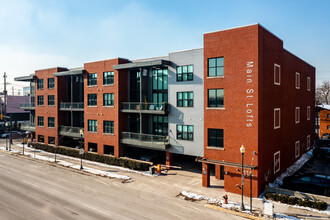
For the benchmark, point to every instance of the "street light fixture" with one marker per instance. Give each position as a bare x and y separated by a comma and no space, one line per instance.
242,149
81,150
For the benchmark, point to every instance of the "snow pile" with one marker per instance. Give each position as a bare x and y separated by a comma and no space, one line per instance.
285,217
292,169
12,150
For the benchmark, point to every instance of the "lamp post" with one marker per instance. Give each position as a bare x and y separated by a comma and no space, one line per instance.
242,149
81,151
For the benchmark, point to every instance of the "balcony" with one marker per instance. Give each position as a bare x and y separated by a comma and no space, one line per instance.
149,141
71,131
72,106
28,126
28,106
146,108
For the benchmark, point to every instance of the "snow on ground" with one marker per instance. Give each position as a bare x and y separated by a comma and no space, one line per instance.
292,169
285,217
145,173
71,165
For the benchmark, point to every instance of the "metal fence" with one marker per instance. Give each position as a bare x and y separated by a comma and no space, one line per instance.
71,105
27,105
159,139
69,129
144,106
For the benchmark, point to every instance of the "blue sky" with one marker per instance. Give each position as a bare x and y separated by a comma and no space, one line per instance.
39,34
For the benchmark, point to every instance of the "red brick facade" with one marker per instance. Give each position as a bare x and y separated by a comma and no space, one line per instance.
324,121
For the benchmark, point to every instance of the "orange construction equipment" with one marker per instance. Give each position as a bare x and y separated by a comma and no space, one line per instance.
159,168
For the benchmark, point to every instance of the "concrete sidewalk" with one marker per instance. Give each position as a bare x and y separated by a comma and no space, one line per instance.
173,183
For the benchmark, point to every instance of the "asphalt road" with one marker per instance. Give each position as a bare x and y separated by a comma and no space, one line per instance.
39,190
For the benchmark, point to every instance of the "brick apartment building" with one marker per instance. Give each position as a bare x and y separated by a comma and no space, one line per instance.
241,88
323,117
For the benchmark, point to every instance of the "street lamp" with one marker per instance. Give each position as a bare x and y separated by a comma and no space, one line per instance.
242,149
81,150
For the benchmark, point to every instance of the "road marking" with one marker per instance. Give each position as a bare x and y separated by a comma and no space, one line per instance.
32,184
98,210
233,212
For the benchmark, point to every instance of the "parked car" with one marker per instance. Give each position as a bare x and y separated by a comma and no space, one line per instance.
310,183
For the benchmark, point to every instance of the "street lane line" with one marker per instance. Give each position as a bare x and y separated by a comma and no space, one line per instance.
32,184
95,209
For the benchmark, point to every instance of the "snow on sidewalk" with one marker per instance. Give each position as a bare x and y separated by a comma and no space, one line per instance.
71,165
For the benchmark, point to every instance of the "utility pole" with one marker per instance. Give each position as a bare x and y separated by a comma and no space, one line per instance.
12,90
5,94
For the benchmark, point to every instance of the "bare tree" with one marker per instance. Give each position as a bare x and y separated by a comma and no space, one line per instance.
323,92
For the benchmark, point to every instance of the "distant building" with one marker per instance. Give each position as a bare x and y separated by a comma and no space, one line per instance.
324,119
26,91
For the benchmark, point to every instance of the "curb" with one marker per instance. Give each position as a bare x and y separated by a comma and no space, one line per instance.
233,212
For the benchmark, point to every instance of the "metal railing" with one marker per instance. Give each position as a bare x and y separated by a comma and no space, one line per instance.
140,106
28,126
71,105
27,105
158,139
69,129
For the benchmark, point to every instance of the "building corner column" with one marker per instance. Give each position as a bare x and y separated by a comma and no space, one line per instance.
168,160
217,172
205,175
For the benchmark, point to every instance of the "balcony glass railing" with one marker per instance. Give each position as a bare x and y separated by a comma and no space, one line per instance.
28,126
27,105
138,106
69,129
157,139
71,105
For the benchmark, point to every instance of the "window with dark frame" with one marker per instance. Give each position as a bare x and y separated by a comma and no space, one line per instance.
215,66
92,99
40,100
108,78
185,99
185,73
108,99
51,83
108,127
185,132
92,125
92,79
215,98
40,121
51,100
51,122
215,137
40,84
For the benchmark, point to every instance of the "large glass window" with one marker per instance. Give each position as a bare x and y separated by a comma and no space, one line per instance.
51,83
40,84
215,66
92,79
159,86
185,99
108,99
108,78
184,73
92,125
215,98
40,121
185,132
51,122
108,127
51,100
40,100
214,137
92,99
160,125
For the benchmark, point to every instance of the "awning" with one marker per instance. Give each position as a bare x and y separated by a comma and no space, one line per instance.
151,63
76,71
226,163
29,78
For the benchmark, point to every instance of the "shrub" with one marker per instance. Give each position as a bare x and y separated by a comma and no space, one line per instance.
107,159
292,200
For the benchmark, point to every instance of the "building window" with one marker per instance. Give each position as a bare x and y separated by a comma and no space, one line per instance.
277,118
297,80
297,115
160,125
108,99
51,100
51,140
159,87
108,78
51,122
40,121
92,125
185,132
277,161
51,83
309,84
308,144
308,112
108,127
328,127
297,149
328,115
277,74
184,73
215,98
40,100
40,84
214,137
92,79
185,99
215,66
92,99
92,147
41,139
108,149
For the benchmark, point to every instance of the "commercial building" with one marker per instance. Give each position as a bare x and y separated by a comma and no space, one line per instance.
241,88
